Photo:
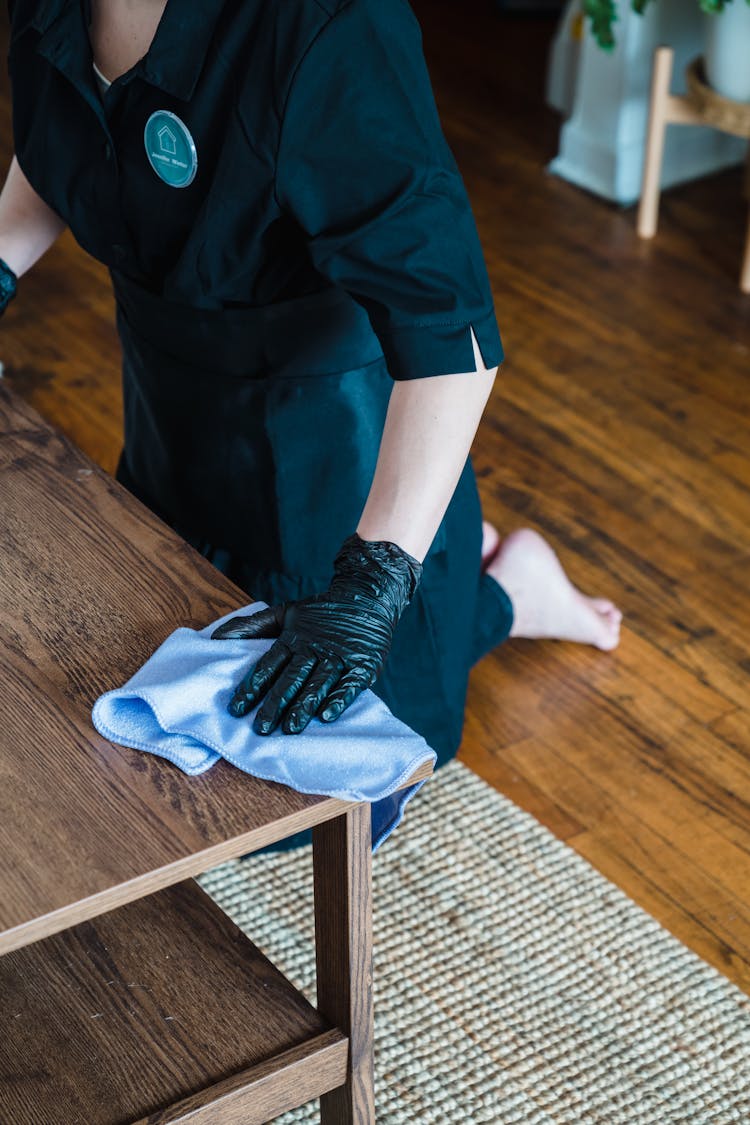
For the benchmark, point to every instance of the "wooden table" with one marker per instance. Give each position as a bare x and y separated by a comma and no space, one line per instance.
126,994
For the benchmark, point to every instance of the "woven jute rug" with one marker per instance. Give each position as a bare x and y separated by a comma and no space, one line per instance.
512,982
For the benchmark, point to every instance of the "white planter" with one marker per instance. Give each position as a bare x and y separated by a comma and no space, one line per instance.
563,59
727,52
602,141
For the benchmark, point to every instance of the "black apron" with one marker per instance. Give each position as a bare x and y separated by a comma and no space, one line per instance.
254,433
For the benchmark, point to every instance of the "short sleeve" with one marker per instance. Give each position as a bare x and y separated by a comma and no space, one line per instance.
364,169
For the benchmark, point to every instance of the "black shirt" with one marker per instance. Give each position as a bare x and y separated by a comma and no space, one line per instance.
320,161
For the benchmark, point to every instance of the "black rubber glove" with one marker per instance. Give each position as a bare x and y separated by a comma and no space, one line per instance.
330,647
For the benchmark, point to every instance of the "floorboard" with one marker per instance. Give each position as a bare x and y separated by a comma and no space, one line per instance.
619,428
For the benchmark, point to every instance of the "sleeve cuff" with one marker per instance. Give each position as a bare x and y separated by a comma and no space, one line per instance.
420,351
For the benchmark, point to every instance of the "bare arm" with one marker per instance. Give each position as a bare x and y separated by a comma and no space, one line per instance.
428,432
28,227
331,646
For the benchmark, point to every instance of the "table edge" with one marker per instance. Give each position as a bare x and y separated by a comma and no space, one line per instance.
35,929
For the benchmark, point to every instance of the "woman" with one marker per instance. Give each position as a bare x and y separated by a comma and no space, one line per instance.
308,332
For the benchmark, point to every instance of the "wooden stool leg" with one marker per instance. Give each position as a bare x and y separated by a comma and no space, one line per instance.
648,210
342,880
745,274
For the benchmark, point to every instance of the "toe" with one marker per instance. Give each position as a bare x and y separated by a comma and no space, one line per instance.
610,643
609,634
607,608
600,627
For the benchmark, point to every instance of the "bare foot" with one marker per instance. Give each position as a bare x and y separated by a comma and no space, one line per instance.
490,543
545,601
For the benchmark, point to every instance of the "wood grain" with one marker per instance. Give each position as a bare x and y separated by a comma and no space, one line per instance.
265,1090
619,428
91,584
342,878
160,1011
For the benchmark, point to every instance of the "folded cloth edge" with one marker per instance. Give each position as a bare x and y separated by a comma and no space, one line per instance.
266,775
214,752
119,739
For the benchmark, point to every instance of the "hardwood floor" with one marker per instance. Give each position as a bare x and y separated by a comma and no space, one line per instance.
619,428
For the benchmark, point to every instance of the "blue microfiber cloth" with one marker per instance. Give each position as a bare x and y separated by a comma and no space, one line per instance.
176,706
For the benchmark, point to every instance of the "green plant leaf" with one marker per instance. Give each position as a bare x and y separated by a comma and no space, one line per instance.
602,14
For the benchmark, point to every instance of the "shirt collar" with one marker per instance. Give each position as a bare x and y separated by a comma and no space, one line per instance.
175,58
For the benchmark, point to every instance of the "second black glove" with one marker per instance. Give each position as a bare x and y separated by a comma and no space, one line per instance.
329,647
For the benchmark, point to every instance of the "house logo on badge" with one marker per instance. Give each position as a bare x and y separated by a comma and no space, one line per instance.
167,140
170,149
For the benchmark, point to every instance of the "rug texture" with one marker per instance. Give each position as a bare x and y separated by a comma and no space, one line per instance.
512,982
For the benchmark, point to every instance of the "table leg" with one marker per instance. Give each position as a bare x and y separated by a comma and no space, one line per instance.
342,880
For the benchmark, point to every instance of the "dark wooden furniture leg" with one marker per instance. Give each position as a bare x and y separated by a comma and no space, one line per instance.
342,880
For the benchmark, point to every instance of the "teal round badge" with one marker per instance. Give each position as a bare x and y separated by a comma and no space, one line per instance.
170,149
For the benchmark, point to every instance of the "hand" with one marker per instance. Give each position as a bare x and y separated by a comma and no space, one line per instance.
329,647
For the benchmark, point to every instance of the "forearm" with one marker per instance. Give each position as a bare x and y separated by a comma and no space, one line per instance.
28,227
428,432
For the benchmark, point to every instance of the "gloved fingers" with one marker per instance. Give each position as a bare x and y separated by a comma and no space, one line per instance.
283,692
263,625
260,677
343,695
324,677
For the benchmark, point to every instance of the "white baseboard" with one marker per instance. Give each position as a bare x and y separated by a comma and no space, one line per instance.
689,153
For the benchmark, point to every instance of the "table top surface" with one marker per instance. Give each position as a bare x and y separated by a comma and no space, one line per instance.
91,582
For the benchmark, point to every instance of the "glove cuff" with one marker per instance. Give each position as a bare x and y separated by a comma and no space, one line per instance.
382,568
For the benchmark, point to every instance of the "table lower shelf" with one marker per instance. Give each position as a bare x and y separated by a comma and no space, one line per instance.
160,1011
